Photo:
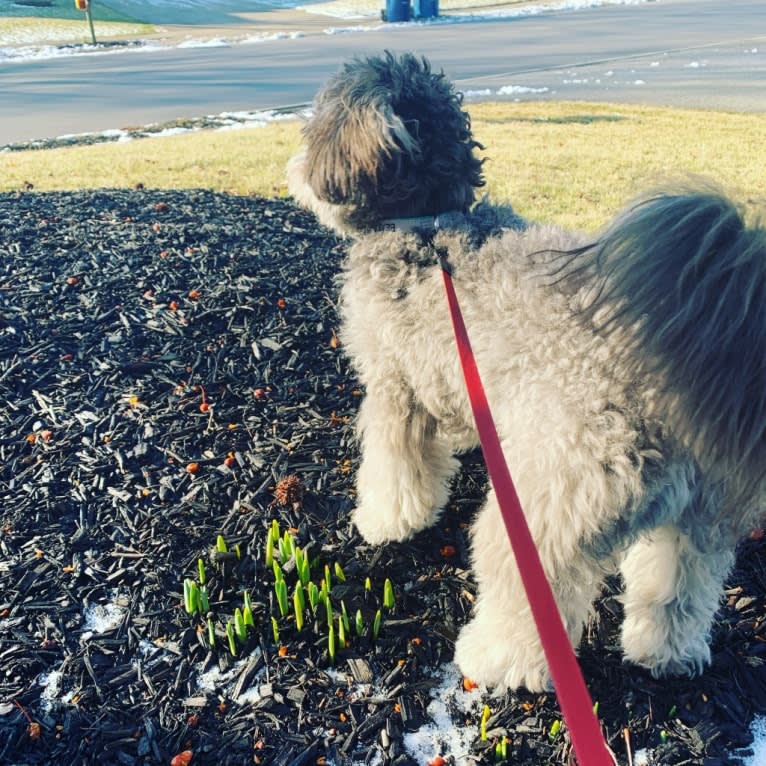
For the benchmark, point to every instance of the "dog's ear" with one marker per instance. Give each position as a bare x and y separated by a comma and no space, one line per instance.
388,137
355,133
348,147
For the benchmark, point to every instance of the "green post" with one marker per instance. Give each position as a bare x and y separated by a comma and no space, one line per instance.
90,24
84,5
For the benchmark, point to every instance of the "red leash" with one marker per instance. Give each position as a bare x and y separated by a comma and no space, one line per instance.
574,700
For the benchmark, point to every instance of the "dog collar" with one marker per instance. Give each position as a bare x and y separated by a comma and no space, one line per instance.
425,223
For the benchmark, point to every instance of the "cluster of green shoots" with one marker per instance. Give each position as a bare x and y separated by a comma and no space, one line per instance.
303,598
501,746
300,600
196,601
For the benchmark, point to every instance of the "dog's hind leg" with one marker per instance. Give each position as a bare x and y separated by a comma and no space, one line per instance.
405,470
500,646
672,592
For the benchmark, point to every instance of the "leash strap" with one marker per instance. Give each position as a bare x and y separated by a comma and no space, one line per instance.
574,700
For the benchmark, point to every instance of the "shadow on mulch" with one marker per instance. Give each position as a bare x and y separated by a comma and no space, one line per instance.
166,358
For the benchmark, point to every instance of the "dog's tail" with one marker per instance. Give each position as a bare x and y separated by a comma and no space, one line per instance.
682,281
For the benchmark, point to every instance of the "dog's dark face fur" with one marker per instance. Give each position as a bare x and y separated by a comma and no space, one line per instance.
388,138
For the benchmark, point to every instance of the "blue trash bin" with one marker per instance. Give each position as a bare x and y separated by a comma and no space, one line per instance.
397,10
426,9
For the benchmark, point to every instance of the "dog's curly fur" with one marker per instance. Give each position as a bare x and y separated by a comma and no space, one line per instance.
627,374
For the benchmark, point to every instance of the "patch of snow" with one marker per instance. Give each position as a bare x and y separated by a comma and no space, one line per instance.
758,748
468,94
213,42
100,618
51,683
444,735
513,90
43,52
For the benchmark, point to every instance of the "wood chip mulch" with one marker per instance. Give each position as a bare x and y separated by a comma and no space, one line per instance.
167,359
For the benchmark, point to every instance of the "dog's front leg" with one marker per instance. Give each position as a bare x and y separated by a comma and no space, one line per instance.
405,470
500,646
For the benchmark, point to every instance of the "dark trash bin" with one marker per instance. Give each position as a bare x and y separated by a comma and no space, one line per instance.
425,9
396,10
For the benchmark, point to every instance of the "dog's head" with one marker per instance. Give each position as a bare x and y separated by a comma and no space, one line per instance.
387,138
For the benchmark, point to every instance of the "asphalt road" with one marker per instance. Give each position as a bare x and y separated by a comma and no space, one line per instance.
696,53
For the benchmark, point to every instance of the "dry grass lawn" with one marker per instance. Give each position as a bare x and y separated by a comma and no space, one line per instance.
42,31
572,163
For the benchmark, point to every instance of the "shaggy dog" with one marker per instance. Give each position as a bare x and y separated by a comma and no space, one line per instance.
626,372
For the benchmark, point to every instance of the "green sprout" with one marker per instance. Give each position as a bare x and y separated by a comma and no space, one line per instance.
280,587
275,629
501,750
269,551
237,551
388,594
203,603
188,605
339,573
367,584
555,729
220,544
344,617
284,553
298,606
314,599
277,571
331,643
246,602
328,607
299,558
210,633
201,570
485,714
191,596
341,633
247,616
359,623
230,636
299,597
376,625
327,580
302,565
239,625
595,708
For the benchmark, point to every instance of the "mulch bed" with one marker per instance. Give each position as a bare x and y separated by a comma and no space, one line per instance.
166,360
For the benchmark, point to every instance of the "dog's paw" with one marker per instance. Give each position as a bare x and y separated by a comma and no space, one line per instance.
377,526
651,644
500,659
